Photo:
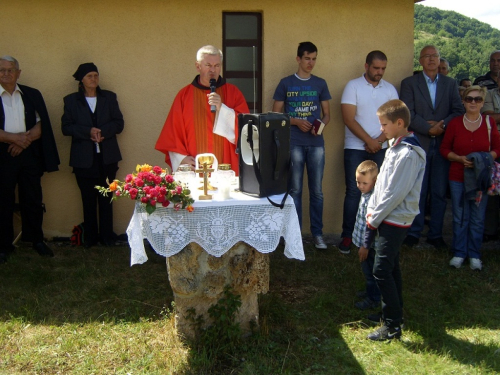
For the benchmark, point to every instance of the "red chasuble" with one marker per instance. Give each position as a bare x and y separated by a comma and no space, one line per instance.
188,129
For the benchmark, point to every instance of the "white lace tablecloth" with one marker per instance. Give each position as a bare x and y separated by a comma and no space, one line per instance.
217,226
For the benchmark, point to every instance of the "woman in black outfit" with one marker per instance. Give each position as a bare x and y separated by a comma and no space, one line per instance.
92,118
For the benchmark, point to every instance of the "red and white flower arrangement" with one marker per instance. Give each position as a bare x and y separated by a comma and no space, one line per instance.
152,186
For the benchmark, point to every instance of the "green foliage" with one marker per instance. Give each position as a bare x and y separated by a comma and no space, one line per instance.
465,42
218,343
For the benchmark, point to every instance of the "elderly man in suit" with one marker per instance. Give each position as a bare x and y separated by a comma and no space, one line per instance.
27,150
433,100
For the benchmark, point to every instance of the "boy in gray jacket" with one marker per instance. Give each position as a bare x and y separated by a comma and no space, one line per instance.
391,210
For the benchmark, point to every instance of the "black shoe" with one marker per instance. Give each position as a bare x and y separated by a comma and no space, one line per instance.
410,241
438,243
345,245
385,333
43,249
366,304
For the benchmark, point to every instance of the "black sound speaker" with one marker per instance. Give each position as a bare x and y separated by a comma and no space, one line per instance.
264,153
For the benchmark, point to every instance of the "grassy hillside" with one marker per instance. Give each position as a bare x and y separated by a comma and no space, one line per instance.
465,42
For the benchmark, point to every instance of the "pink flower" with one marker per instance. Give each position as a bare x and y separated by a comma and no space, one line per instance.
139,182
178,189
129,178
157,170
127,187
165,204
152,202
144,199
161,199
169,178
118,193
177,206
163,191
157,180
133,193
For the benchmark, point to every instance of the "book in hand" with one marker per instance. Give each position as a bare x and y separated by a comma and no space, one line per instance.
318,126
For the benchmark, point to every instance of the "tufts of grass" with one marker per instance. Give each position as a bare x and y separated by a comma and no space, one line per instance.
89,312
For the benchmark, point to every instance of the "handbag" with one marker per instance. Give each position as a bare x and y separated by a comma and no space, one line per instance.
494,188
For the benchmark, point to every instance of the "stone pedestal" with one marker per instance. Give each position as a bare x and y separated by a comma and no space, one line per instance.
198,280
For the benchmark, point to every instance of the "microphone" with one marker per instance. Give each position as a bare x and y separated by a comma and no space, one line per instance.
213,82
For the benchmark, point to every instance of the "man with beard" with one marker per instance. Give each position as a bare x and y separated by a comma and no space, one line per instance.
363,139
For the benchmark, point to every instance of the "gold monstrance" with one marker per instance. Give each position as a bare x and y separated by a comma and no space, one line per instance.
205,160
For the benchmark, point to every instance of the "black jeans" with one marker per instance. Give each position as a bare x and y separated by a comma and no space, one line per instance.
387,273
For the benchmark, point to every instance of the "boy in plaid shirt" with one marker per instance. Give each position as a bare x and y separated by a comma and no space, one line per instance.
366,175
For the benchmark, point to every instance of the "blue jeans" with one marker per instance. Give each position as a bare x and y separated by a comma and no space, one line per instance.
313,158
387,273
372,290
435,183
468,222
353,158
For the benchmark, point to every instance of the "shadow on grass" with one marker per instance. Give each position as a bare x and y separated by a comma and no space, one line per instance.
299,330
444,306
82,285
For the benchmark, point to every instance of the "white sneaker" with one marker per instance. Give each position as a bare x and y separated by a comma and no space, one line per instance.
475,264
319,242
457,262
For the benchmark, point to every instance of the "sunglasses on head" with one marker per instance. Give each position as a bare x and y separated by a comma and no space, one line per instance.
470,99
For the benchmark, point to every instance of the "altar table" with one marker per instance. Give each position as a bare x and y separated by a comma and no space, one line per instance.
217,226
220,243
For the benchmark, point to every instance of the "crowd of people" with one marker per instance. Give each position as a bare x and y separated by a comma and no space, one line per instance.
433,136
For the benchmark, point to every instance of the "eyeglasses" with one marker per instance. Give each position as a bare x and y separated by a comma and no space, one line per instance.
7,71
470,99
435,55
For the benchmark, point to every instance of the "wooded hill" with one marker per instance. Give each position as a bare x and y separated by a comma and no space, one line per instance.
465,42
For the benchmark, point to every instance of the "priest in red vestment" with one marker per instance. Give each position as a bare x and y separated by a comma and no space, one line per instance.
191,128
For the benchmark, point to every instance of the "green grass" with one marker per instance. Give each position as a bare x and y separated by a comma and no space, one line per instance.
89,312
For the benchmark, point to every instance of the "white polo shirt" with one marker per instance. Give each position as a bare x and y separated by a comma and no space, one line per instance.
367,99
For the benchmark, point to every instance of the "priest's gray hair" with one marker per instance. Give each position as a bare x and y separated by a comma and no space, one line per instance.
208,50
10,59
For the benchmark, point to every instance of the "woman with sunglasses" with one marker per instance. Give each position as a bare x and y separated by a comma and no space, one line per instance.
464,136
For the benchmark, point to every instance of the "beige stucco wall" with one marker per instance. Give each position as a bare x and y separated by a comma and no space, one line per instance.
145,51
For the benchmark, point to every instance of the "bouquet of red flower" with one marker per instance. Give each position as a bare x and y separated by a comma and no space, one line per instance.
151,186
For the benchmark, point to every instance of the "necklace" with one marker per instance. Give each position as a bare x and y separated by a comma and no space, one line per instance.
472,122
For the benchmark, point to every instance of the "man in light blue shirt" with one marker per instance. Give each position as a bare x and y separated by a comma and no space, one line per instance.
433,100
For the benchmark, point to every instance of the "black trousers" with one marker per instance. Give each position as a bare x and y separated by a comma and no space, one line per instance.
25,171
96,205
387,273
